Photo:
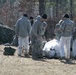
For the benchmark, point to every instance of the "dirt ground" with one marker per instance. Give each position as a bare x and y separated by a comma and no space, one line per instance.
14,65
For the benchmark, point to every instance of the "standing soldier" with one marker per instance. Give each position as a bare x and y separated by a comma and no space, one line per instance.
22,30
37,31
31,20
66,35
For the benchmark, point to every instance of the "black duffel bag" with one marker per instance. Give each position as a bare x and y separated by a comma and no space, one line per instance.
9,51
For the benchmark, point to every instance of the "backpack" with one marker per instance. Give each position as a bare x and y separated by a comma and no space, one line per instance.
9,51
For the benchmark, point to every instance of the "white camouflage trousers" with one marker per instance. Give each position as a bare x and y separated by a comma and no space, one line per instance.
23,44
65,43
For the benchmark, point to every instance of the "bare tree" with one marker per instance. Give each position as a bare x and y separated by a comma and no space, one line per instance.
27,6
71,9
41,7
56,8
9,13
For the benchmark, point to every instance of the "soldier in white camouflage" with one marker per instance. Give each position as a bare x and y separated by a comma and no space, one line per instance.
37,32
66,34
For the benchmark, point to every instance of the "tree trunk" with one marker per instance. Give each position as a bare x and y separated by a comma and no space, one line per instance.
71,9
56,8
41,7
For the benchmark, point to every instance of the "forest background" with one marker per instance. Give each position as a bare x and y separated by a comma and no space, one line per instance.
11,10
